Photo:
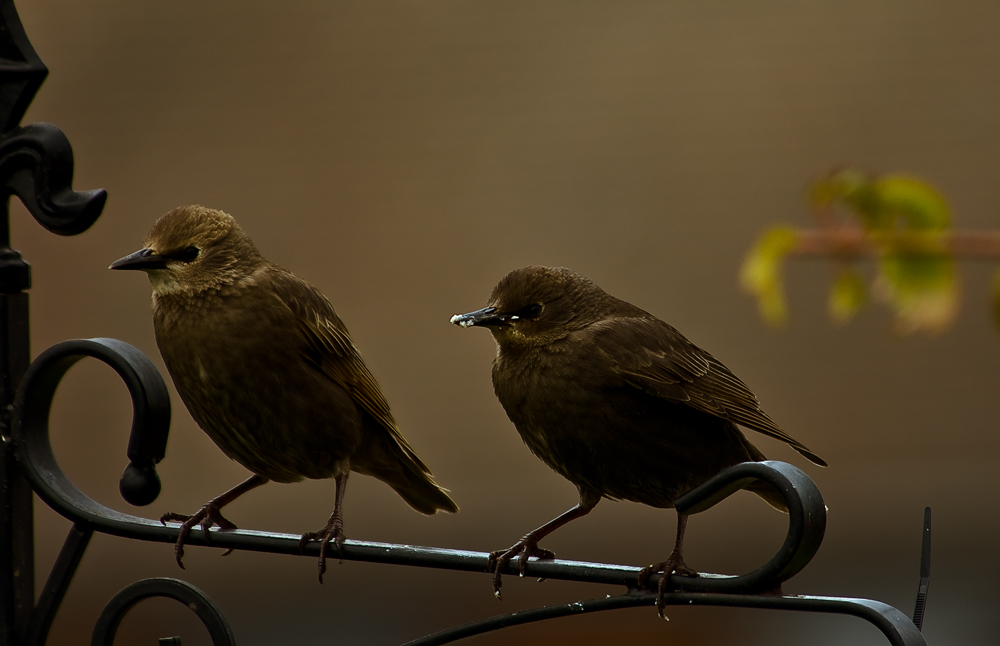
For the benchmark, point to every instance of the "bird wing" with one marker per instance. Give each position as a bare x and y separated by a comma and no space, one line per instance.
330,347
654,357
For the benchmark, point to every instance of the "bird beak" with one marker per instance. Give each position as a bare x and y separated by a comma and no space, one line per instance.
142,259
486,317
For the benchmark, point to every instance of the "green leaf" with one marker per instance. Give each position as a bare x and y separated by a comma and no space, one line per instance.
888,203
911,204
836,187
921,288
847,296
851,188
761,273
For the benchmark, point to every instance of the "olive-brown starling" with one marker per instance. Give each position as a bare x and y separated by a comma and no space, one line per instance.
614,400
269,371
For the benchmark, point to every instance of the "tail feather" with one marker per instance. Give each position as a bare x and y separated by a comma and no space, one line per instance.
423,494
809,455
388,457
415,486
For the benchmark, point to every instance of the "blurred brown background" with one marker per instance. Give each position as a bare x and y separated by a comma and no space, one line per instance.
403,156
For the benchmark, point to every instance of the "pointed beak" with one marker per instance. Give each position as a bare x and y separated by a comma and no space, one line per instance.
486,317
142,259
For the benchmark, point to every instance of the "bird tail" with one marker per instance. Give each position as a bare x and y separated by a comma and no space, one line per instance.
413,483
426,496
420,491
809,455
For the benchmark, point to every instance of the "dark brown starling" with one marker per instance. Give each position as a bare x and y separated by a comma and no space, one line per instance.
269,371
615,400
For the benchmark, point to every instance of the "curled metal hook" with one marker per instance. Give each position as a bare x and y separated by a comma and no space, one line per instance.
38,160
147,442
210,615
806,525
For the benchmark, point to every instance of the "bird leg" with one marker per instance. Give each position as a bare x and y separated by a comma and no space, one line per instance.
528,545
673,565
210,514
334,529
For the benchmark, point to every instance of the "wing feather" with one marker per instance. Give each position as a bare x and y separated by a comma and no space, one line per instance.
654,357
332,349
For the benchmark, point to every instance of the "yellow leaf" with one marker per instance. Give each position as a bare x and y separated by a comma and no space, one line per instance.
761,273
921,288
847,296
911,204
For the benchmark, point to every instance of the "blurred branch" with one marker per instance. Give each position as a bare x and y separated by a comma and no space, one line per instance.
850,242
901,222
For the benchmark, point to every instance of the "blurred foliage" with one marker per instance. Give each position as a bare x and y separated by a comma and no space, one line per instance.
883,204
848,295
902,221
761,273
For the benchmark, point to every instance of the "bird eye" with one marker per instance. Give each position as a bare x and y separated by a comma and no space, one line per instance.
188,254
531,311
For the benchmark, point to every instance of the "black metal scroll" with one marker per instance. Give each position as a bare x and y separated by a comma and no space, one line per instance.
36,161
147,441
190,596
36,164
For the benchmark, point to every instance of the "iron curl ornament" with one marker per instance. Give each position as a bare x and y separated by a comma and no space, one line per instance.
36,165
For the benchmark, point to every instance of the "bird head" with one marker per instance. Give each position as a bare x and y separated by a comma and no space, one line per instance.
191,249
537,305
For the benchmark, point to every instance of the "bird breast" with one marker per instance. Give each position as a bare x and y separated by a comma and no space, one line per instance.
238,362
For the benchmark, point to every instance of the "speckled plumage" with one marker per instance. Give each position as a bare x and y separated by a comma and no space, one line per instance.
266,367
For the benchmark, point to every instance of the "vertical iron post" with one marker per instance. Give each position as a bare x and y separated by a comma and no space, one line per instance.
17,570
36,165
21,74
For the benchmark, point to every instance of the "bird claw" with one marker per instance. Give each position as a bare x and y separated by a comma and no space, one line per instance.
673,565
206,517
523,550
333,531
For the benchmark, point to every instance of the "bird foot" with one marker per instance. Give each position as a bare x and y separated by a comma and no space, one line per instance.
334,531
207,516
523,550
673,565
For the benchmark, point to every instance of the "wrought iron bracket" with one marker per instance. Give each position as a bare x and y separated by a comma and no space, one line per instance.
147,442
190,596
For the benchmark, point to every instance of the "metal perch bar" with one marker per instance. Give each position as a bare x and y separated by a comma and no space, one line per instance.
894,625
147,442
